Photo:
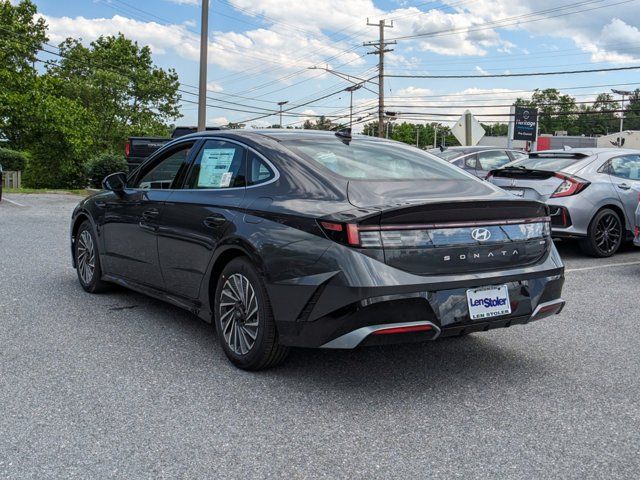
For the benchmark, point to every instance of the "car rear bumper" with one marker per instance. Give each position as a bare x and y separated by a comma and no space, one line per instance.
335,315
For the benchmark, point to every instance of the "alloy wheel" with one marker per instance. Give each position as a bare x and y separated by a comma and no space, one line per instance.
608,234
239,316
86,257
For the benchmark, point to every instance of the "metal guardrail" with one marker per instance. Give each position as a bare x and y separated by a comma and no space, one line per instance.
12,179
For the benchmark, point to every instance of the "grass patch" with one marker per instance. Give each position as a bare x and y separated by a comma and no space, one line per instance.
83,192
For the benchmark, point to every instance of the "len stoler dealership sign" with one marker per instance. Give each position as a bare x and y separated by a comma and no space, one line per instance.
525,124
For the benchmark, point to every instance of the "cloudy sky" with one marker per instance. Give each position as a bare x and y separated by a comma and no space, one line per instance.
260,51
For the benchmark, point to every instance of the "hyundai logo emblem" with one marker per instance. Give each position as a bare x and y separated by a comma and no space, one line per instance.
481,234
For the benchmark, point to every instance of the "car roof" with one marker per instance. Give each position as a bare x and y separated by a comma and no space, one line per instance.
280,134
588,151
476,148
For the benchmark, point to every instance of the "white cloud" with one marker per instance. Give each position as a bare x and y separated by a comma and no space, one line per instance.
481,71
214,87
159,37
186,2
217,121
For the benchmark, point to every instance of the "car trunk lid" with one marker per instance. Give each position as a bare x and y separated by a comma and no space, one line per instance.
453,228
529,184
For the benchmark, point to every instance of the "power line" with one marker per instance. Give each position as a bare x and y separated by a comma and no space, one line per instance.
531,74
516,20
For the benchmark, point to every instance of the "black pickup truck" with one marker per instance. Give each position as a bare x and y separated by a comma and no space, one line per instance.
137,149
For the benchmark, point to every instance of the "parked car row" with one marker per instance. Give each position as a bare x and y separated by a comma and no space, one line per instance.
479,161
593,194
288,238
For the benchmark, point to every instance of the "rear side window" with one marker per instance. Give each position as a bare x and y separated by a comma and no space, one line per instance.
625,167
371,160
492,159
257,170
219,164
551,163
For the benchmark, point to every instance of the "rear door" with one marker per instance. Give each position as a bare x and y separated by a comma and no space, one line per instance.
624,172
197,216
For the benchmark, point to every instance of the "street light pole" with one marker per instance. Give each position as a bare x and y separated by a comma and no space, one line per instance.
280,104
623,93
352,89
202,87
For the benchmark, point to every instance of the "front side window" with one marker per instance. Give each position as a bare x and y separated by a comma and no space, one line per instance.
220,164
492,160
625,167
370,160
162,173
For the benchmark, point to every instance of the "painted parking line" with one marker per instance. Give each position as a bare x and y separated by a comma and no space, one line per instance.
606,265
14,202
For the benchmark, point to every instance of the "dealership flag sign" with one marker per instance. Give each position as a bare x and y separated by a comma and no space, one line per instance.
525,124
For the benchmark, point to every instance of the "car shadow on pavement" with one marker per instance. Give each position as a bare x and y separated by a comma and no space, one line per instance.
440,365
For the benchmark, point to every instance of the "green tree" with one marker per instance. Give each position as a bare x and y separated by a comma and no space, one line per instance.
321,123
632,112
496,129
115,79
554,109
21,37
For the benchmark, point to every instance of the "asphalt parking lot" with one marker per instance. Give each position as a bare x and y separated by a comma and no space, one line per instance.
119,385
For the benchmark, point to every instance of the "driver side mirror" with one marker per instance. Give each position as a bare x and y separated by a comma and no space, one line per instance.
116,182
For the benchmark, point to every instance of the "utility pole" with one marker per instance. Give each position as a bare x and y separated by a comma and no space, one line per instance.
280,104
202,87
417,136
380,49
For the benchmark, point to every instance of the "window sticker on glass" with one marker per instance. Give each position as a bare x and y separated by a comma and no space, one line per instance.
214,168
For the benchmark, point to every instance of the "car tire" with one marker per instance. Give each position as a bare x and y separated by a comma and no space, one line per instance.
87,260
604,235
244,319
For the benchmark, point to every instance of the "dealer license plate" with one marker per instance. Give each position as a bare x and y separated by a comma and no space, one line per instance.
488,302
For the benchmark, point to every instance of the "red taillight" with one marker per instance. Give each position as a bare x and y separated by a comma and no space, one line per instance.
334,227
637,232
489,175
127,148
408,329
350,234
570,185
353,234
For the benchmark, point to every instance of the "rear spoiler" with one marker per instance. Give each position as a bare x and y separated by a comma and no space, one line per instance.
563,154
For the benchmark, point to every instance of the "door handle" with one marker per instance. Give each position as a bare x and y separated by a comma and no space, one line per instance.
150,214
624,186
214,221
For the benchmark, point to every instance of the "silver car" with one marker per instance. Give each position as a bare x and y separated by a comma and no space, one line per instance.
591,192
636,237
479,161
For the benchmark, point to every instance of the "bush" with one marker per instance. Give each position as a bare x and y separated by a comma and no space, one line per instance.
105,164
12,160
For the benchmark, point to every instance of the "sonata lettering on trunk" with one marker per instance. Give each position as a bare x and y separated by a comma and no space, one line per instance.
473,255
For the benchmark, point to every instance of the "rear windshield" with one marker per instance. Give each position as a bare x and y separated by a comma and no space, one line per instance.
551,164
368,160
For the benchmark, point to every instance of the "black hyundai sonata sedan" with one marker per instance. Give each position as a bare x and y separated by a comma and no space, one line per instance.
316,239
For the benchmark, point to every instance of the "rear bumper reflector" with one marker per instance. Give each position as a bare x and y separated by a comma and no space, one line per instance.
355,337
547,309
